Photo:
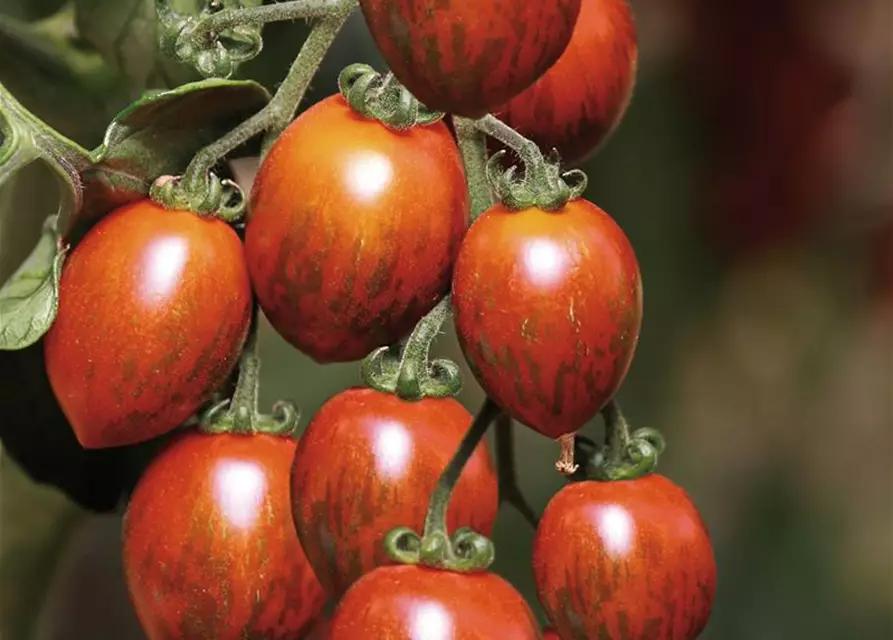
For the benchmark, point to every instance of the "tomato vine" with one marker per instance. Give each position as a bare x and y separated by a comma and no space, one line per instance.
367,229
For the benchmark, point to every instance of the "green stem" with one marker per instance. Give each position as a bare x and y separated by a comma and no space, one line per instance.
435,520
616,433
228,18
509,490
240,415
192,191
627,455
414,376
542,184
25,138
465,550
473,147
530,154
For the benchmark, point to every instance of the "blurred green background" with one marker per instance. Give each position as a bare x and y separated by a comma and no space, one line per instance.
752,174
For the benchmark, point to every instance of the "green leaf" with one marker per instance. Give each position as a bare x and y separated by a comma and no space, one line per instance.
30,298
37,522
160,133
124,32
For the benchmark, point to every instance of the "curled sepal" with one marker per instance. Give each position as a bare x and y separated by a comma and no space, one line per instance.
244,419
407,371
639,457
542,183
222,199
465,551
198,40
383,98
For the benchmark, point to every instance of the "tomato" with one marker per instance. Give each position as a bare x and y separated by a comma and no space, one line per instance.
548,308
154,307
367,463
400,602
465,57
627,559
209,546
353,230
578,102
551,634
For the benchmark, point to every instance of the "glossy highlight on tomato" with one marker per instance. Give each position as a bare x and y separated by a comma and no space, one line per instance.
367,463
154,307
353,230
626,559
579,101
209,546
400,602
466,57
548,308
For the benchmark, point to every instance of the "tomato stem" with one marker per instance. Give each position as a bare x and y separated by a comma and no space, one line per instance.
542,185
199,189
407,371
473,147
626,455
216,41
509,490
241,415
466,550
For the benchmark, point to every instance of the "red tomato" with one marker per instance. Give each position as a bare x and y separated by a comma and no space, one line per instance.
548,308
551,634
466,57
581,98
353,230
209,547
154,306
401,602
628,559
368,463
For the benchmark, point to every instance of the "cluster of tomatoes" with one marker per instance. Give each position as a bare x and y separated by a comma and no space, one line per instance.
355,232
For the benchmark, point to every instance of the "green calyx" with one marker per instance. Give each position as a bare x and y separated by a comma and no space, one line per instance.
383,98
465,550
215,42
625,455
407,371
240,415
221,199
542,184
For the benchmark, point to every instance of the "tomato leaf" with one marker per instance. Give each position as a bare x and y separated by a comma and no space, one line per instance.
160,133
37,522
30,298
124,32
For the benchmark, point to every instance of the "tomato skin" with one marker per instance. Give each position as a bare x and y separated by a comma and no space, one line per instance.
465,57
551,634
627,559
367,463
154,307
548,308
580,100
353,230
209,547
400,602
